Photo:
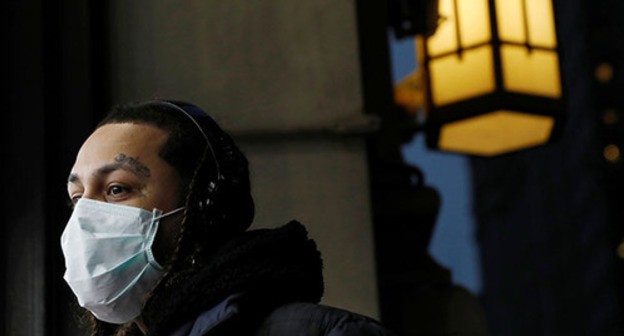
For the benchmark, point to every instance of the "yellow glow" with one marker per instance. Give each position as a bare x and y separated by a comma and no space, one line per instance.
409,92
604,72
540,20
535,72
444,39
612,153
620,250
454,78
509,20
474,26
474,22
496,133
541,23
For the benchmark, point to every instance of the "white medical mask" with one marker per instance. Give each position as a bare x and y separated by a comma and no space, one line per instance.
109,262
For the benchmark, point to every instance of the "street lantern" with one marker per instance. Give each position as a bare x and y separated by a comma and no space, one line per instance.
492,76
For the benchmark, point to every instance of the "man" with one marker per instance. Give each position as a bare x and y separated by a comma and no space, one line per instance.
157,243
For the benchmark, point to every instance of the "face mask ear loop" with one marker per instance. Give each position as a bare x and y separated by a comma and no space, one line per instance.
165,215
157,215
151,235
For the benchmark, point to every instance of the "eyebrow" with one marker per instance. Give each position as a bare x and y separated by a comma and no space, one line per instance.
107,169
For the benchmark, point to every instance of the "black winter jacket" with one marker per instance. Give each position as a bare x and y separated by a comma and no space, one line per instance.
292,319
266,282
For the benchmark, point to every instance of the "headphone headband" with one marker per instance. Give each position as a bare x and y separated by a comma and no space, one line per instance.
192,113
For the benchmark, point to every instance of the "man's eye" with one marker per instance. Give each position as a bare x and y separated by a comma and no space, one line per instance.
116,190
73,200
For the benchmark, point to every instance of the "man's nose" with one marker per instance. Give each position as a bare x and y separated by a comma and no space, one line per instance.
93,195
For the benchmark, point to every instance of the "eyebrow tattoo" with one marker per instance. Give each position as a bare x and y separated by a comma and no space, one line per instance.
133,163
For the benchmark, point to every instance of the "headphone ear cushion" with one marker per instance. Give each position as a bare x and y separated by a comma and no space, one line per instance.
232,194
224,214
234,206
227,204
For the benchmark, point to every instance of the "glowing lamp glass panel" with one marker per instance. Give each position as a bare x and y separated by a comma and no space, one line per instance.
510,27
445,39
526,21
455,78
474,22
473,25
541,23
496,133
533,72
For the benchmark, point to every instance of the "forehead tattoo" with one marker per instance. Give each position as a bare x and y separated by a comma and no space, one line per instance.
133,163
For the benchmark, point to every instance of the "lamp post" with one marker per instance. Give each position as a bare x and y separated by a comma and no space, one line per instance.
492,76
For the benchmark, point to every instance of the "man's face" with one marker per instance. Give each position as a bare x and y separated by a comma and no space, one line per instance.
119,163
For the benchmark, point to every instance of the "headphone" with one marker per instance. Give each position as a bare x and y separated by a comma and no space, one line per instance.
223,188
193,113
